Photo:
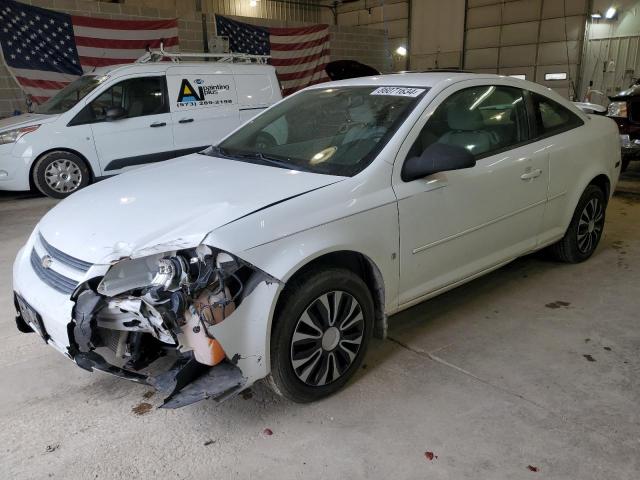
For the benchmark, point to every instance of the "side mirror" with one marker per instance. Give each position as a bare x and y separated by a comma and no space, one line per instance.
438,157
115,113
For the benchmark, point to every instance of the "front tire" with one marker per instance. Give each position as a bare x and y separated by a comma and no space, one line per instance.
58,174
585,230
321,334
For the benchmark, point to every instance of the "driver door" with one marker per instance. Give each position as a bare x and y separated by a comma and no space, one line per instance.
144,135
457,224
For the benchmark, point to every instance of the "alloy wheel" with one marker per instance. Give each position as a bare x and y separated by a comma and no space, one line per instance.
590,225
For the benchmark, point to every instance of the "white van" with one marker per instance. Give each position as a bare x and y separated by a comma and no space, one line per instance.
117,118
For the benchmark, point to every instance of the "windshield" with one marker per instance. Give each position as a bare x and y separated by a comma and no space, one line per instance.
70,95
335,131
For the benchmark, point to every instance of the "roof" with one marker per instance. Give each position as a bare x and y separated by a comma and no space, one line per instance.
155,67
431,79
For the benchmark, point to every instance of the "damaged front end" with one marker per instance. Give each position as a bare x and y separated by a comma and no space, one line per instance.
152,320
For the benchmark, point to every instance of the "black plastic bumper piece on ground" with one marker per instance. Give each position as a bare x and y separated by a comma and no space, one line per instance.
189,381
91,360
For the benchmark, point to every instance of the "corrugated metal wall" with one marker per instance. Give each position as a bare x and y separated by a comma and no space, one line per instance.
437,29
297,11
612,53
527,37
612,64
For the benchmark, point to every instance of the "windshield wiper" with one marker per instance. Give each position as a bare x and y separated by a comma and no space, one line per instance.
267,159
260,157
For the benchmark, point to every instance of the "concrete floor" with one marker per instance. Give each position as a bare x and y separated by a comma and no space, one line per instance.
535,366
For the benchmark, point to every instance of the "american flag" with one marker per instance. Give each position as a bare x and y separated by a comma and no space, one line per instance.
299,54
45,50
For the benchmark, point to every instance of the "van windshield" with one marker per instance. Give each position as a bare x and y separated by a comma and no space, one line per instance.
335,131
70,95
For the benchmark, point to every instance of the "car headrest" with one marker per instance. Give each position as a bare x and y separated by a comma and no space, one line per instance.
461,118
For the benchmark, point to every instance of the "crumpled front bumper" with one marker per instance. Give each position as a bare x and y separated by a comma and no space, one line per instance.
244,336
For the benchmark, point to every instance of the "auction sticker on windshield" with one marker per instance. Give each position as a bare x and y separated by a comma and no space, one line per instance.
398,91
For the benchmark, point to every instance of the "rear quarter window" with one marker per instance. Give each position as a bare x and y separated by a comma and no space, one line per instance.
551,118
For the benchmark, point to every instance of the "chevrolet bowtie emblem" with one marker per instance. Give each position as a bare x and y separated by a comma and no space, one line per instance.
46,261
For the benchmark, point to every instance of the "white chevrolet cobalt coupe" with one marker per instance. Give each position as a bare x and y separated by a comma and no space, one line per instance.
279,252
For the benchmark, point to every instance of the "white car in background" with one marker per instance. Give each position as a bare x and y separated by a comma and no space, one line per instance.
117,118
279,256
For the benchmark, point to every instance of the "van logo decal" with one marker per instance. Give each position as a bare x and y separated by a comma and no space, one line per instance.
204,95
187,93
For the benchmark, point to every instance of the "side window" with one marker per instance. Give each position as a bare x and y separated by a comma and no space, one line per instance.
551,117
484,120
138,96
106,100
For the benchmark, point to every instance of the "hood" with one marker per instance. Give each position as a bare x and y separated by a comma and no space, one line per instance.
632,91
168,206
25,119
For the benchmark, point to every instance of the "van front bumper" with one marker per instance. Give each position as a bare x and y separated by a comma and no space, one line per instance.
14,171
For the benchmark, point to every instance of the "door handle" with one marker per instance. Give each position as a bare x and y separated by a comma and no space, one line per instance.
158,124
186,120
530,175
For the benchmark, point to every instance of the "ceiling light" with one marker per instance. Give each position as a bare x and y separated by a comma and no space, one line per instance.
402,51
596,15
253,3
611,12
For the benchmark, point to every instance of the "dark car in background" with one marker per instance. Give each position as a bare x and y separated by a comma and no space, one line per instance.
625,110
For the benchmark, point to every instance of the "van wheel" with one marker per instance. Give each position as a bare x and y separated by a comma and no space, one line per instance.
58,174
585,230
321,334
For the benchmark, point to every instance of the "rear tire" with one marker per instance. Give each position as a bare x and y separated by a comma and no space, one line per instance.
321,334
59,173
585,230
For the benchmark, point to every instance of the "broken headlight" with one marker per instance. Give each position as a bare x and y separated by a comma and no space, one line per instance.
126,275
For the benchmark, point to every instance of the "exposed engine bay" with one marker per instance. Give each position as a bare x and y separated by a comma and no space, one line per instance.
151,319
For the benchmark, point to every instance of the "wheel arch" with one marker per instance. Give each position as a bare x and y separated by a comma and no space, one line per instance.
602,181
356,262
92,175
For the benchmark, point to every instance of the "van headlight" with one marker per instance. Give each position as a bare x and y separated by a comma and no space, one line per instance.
12,136
617,109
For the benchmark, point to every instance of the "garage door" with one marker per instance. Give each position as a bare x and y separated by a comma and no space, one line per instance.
610,65
540,40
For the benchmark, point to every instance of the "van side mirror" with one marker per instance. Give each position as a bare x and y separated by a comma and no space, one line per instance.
437,157
115,113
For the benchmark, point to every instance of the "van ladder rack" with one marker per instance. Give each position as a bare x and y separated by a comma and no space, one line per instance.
160,54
